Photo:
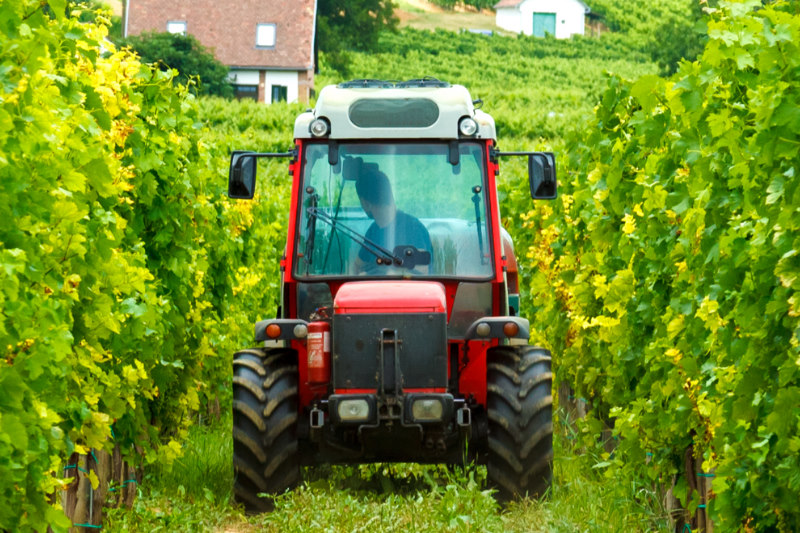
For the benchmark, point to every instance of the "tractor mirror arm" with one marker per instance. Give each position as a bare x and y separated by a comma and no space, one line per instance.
242,172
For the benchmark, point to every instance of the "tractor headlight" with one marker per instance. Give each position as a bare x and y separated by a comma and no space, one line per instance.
422,408
319,127
427,409
468,127
300,331
355,410
483,329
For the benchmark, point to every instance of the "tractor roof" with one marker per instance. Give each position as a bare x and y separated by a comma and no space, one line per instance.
375,109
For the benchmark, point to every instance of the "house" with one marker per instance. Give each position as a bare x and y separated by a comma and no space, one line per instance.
267,44
560,18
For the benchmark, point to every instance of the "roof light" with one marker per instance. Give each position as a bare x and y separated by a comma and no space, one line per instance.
319,127
468,127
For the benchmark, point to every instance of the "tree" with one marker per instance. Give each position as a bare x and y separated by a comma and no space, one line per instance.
669,30
680,36
344,25
185,54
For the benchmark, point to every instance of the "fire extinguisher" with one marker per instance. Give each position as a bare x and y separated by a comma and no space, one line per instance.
318,346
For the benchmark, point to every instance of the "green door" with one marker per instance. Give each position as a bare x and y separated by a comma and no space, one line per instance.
544,23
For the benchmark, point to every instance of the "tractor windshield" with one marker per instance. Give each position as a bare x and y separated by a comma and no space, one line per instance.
393,210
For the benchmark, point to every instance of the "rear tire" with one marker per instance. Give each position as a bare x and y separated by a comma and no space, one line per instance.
520,412
265,403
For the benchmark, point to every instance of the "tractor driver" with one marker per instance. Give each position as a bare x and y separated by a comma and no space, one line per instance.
390,227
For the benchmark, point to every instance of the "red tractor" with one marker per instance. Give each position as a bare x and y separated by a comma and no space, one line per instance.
398,337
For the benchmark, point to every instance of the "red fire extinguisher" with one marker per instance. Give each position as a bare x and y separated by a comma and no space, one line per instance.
318,346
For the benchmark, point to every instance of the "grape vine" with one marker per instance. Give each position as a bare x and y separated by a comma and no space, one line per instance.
673,259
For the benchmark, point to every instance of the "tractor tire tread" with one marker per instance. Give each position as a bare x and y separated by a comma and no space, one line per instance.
276,400
252,365
265,416
252,387
248,442
278,374
250,413
520,442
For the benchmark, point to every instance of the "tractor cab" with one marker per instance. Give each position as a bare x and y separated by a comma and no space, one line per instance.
399,286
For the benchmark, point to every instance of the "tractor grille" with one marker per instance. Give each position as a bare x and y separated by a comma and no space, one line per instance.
364,351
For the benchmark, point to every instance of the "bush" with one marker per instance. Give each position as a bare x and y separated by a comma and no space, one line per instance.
185,54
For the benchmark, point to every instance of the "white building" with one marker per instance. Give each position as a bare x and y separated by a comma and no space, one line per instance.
561,18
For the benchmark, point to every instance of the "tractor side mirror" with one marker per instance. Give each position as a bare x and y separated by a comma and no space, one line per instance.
542,175
242,175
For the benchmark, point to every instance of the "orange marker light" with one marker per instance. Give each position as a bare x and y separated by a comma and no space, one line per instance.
510,329
273,331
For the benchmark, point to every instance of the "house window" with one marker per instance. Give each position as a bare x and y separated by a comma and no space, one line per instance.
279,93
265,35
243,92
176,26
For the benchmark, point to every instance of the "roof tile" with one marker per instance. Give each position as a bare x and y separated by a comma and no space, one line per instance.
228,28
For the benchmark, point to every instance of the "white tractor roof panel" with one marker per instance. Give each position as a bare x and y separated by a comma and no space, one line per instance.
391,112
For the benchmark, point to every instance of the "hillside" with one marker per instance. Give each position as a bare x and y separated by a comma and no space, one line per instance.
423,15
535,88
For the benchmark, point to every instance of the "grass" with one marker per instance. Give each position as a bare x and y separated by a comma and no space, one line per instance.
194,494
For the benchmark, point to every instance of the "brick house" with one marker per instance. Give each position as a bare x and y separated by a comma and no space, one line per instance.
267,44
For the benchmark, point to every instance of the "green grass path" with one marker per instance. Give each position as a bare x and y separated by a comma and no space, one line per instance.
194,495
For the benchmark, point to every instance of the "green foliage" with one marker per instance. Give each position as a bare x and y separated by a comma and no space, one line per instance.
184,53
353,24
666,273
344,25
669,30
124,276
98,11
60,184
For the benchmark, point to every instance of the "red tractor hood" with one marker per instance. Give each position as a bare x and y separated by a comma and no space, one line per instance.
361,297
